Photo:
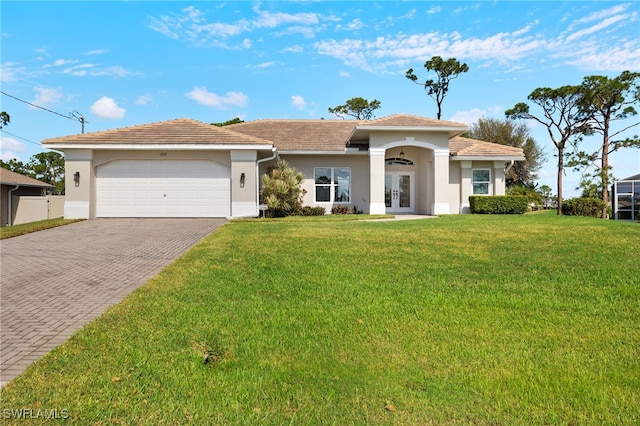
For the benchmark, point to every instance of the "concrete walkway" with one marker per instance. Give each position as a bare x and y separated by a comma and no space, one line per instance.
55,281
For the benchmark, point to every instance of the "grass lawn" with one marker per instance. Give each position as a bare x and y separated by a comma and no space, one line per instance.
27,228
525,320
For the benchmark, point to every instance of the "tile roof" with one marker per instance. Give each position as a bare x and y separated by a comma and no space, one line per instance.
406,120
178,131
7,177
285,134
465,147
301,135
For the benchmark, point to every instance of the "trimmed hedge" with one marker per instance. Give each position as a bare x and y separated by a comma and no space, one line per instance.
589,207
498,204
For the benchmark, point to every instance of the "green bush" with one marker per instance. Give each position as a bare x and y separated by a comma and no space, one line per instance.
282,190
344,209
498,204
589,207
311,211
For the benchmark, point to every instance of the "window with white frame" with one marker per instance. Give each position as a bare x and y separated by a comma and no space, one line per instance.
480,180
332,184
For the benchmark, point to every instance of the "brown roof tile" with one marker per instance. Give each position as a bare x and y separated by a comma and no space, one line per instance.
7,177
179,131
407,120
463,147
301,135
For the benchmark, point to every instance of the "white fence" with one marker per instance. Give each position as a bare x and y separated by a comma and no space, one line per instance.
32,208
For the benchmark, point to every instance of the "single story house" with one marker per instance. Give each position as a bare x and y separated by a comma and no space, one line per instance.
186,168
625,198
14,184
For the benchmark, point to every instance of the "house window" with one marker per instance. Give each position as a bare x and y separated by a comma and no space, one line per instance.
332,184
481,179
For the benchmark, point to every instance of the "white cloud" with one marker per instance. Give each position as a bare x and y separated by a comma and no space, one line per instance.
595,28
9,148
202,96
354,25
344,74
434,10
9,72
298,102
96,52
193,26
471,116
264,65
46,96
107,108
144,99
294,49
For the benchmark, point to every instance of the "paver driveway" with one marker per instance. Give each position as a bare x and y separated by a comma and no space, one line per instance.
55,281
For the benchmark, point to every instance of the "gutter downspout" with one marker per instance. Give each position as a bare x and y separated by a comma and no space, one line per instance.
10,212
509,166
274,150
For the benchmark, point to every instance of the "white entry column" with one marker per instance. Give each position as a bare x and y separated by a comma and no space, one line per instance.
440,181
376,181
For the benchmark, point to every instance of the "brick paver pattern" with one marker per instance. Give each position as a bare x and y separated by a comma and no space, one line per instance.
55,281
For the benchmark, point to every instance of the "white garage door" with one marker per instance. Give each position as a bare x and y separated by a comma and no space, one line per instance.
163,188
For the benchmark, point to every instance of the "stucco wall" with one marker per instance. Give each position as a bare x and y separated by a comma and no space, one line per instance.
359,164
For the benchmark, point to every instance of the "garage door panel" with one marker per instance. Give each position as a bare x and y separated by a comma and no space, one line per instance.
163,188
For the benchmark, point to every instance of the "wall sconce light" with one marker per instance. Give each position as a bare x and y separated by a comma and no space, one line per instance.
242,177
402,153
76,178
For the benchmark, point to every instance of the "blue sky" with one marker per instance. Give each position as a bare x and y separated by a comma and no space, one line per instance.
134,62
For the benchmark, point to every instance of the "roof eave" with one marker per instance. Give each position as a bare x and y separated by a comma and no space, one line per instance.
165,147
487,158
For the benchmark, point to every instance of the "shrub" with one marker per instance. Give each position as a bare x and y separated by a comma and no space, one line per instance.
312,211
340,209
282,191
498,204
589,207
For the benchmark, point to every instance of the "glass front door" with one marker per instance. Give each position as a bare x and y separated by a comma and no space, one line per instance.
399,192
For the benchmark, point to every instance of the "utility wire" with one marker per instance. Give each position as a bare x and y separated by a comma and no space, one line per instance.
20,137
71,116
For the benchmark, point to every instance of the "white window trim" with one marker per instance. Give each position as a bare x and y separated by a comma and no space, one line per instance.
332,186
488,182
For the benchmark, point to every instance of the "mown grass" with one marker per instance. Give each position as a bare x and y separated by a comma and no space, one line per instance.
457,320
27,228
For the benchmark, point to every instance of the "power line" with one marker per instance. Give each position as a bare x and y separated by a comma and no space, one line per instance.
20,137
74,115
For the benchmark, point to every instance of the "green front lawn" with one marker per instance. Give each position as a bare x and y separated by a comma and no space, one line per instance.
27,228
458,320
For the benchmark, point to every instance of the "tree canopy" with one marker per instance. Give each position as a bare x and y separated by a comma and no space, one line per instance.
235,120
511,133
562,116
446,70
359,108
604,101
4,119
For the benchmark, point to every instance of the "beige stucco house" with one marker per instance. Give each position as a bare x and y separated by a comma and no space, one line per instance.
13,185
186,168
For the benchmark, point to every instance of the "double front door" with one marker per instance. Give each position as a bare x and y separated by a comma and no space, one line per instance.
399,192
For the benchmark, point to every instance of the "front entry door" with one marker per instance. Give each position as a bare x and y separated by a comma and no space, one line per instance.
399,192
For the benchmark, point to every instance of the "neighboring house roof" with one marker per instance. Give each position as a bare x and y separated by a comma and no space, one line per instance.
181,131
634,177
464,147
7,177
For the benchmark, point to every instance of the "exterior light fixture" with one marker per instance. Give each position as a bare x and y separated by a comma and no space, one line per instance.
76,178
402,153
242,178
